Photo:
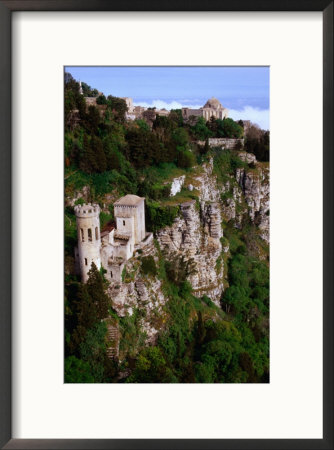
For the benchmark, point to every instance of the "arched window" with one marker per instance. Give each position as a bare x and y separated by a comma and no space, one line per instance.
96,233
124,223
82,235
90,234
86,262
111,274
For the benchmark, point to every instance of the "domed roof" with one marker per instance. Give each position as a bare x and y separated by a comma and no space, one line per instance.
213,103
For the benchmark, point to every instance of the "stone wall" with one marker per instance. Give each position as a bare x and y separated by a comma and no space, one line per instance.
224,142
90,101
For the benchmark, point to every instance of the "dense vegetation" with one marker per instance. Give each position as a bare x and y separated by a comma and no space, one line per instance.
199,342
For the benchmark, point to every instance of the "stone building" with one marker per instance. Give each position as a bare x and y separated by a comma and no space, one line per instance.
212,108
89,239
129,104
90,101
115,245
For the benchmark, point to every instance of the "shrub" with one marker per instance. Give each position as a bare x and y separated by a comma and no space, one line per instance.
148,265
158,217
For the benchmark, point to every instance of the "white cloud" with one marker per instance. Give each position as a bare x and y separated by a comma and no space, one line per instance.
160,104
255,115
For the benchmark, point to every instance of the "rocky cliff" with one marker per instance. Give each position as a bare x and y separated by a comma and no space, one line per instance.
238,196
196,236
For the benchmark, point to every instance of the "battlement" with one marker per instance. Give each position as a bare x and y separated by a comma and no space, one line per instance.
87,210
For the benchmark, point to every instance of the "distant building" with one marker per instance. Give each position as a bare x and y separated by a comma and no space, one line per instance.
162,112
212,108
90,101
129,103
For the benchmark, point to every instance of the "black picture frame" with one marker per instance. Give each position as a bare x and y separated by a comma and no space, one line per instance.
6,9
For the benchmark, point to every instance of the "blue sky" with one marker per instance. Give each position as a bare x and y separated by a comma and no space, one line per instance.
243,90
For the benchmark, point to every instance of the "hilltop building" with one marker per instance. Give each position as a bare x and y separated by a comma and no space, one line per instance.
212,108
129,103
115,245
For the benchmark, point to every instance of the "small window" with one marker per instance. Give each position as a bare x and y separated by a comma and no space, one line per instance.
111,274
96,233
86,262
90,234
82,235
124,223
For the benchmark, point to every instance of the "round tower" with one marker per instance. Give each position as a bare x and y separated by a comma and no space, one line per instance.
89,238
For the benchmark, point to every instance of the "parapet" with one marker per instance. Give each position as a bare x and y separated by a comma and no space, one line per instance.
89,210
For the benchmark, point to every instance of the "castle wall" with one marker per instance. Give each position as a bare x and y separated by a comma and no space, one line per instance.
187,112
124,251
114,273
140,222
90,101
112,261
137,213
125,224
227,143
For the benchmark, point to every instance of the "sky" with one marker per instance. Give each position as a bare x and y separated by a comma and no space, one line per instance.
244,91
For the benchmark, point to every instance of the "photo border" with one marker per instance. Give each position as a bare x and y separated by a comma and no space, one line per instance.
6,9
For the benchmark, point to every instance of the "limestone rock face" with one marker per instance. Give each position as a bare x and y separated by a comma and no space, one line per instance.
140,291
195,235
177,185
255,188
83,194
247,157
207,184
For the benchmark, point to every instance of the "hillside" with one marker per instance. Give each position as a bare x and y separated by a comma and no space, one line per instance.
193,304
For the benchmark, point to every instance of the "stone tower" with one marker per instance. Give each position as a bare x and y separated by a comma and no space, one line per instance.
80,88
129,212
89,239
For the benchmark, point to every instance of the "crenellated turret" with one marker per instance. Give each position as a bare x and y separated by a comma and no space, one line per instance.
89,238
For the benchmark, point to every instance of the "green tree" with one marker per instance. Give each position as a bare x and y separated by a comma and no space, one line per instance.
148,265
180,137
118,107
200,130
185,159
229,128
77,371
101,100
151,367
96,287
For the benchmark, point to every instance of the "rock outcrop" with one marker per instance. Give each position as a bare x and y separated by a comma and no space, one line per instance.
255,188
195,235
177,185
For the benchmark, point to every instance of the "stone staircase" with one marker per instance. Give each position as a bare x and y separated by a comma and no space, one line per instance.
112,340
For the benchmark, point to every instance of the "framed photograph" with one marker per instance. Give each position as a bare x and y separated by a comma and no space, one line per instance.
166,237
